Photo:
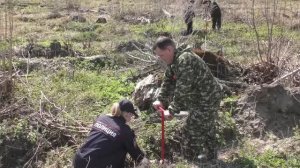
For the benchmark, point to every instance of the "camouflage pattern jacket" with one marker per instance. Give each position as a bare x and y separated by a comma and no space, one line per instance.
190,84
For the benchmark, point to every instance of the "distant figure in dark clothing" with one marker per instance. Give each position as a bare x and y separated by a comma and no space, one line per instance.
110,140
215,13
189,14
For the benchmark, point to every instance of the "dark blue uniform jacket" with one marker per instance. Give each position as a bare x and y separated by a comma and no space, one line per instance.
107,145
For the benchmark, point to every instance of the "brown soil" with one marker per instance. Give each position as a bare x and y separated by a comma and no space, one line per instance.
268,109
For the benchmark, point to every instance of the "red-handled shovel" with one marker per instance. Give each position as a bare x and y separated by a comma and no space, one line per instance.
161,110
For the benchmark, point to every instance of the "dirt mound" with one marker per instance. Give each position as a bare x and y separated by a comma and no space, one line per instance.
260,73
268,109
282,146
217,64
295,26
55,49
54,15
130,46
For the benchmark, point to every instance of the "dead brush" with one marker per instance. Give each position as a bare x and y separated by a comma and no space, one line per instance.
275,53
263,72
280,62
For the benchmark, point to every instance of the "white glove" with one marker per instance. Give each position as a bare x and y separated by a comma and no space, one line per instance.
145,163
168,115
157,104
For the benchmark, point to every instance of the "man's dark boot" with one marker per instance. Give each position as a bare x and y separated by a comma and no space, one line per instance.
205,161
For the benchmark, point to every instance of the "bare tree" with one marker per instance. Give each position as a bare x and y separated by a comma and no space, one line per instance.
256,32
5,18
270,15
11,28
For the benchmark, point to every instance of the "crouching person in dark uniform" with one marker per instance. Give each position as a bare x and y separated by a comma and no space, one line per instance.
110,140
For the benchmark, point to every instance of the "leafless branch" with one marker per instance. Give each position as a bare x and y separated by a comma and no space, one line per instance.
140,50
147,61
28,163
285,76
256,32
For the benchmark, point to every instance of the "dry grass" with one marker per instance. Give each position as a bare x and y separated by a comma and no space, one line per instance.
285,52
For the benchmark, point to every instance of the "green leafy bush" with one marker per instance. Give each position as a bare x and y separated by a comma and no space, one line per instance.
83,94
17,139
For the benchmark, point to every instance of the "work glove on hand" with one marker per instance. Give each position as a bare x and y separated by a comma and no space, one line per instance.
157,104
145,163
168,115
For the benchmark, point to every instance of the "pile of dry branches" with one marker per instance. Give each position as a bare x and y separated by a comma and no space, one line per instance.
260,73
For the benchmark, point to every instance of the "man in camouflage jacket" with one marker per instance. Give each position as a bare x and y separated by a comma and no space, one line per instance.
192,88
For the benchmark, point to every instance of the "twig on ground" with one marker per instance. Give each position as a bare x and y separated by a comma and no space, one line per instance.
28,163
140,58
140,50
284,76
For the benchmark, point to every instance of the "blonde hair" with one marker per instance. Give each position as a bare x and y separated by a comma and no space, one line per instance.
115,110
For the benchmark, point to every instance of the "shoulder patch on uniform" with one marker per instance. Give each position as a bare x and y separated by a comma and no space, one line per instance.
100,126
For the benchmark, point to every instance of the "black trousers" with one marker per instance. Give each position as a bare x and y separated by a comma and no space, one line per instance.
79,162
189,28
216,21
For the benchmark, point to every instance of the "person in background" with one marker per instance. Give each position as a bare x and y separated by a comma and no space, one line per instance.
189,85
215,13
189,14
110,139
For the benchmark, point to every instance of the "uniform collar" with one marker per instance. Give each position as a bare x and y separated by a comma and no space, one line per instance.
120,118
179,50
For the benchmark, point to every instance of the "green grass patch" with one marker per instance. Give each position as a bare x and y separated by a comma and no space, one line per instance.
17,139
163,25
32,9
83,95
78,26
17,129
4,46
268,158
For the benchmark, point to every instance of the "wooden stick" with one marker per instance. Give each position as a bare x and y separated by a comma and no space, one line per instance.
285,76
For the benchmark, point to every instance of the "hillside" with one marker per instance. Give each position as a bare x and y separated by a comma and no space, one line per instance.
64,62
